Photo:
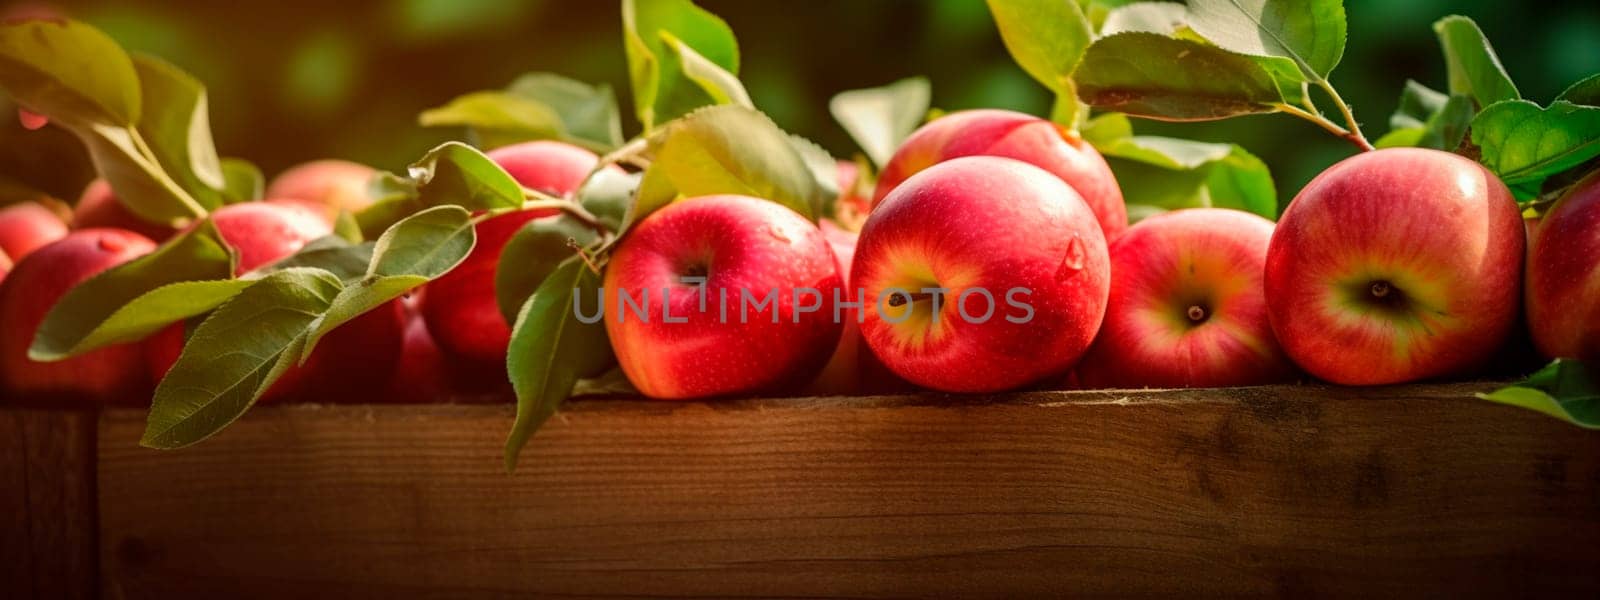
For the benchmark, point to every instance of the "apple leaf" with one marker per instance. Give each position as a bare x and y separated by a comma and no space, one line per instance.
241,181
414,251
1047,38
344,259
1157,77
1428,119
132,300
176,126
880,118
731,149
497,118
455,173
393,198
551,349
68,71
1523,143
662,91
824,173
532,254
1165,18
1473,67
589,114
1162,173
141,183
1586,91
236,354
723,86
1564,389
1309,32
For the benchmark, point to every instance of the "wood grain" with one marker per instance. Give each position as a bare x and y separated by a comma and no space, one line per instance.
1280,490
48,547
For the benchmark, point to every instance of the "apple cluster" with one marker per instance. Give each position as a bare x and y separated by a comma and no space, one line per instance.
1394,265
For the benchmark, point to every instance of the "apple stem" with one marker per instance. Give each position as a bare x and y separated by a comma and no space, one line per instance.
583,255
572,209
1351,134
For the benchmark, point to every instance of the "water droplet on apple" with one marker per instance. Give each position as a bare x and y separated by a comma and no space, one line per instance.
779,234
1073,259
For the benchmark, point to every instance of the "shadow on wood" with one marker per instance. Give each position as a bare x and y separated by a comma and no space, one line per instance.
1279,490
47,503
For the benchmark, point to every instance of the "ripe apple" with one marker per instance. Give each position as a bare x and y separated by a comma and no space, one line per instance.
990,132
5,266
113,374
353,363
1563,288
1023,261
768,267
1395,265
27,226
1186,307
325,186
421,374
460,308
98,206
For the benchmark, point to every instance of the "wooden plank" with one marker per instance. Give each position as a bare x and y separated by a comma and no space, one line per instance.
1277,490
48,547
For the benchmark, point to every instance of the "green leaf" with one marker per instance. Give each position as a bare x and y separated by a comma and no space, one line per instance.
1153,76
497,118
235,355
551,349
1171,173
733,150
824,173
1564,389
1521,142
1047,38
532,254
68,71
176,126
880,118
130,301
455,173
588,113
661,89
414,251
1165,18
721,85
1106,128
140,182
346,260
1474,68
1428,119
1309,32
242,181
1586,91
393,198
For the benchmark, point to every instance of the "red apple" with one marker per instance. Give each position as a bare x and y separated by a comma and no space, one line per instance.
779,279
421,375
1186,307
325,186
27,226
98,206
990,132
1563,288
460,308
5,266
841,375
1023,261
356,362
265,232
1396,265
554,168
113,374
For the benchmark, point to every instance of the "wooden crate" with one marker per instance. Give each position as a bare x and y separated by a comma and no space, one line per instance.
1287,490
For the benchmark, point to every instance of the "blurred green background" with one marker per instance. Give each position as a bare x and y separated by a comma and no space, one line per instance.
293,80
